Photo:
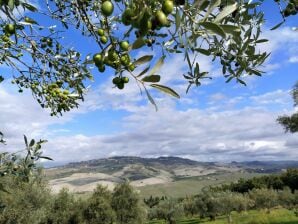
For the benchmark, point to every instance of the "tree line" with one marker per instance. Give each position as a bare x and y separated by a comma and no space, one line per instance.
288,179
32,201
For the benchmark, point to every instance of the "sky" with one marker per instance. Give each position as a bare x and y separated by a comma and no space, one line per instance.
214,122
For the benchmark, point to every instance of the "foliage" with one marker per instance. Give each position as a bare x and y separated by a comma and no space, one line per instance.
25,168
126,204
290,123
169,210
25,203
64,209
277,182
264,198
98,208
190,206
228,32
152,201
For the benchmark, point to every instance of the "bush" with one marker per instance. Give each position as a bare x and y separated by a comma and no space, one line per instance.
98,208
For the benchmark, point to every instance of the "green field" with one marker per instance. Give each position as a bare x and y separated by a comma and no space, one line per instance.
276,216
192,186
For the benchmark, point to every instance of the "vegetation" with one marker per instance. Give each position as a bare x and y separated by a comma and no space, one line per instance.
57,77
288,179
290,123
123,204
228,32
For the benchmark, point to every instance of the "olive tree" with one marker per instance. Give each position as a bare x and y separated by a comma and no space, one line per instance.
127,205
290,123
98,208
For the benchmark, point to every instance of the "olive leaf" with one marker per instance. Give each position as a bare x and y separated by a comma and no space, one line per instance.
166,90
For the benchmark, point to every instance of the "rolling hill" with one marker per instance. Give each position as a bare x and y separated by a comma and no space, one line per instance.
171,176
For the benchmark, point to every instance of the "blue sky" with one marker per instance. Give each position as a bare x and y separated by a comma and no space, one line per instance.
214,122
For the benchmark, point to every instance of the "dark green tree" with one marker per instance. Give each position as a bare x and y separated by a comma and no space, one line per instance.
127,205
169,210
290,123
98,207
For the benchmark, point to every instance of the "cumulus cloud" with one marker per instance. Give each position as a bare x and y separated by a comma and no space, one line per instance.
204,135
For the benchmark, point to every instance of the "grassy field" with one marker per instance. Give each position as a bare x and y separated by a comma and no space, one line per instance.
277,216
191,186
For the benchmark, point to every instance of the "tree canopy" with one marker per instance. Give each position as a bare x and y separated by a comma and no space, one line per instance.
228,31
290,123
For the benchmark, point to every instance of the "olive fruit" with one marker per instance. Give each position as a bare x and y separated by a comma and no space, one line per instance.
125,79
131,67
100,32
120,85
168,6
124,45
101,67
97,58
107,8
10,29
104,39
161,18
116,80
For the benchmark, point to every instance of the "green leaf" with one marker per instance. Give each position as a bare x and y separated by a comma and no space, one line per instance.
166,90
203,51
278,25
45,157
144,71
1,78
29,7
143,59
151,78
228,10
262,41
241,81
26,141
157,66
212,5
151,99
231,29
30,20
138,43
10,4
214,28
32,142
177,20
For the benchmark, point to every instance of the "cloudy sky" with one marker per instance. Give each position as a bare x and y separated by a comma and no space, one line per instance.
215,122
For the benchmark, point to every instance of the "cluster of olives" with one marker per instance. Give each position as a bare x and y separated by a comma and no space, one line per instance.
46,42
291,9
54,91
116,57
8,30
120,81
148,21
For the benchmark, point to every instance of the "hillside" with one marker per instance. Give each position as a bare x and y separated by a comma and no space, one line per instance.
162,176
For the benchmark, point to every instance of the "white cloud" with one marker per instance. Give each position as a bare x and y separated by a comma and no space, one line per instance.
228,135
293,59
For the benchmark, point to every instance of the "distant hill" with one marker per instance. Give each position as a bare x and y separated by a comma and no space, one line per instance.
163,172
